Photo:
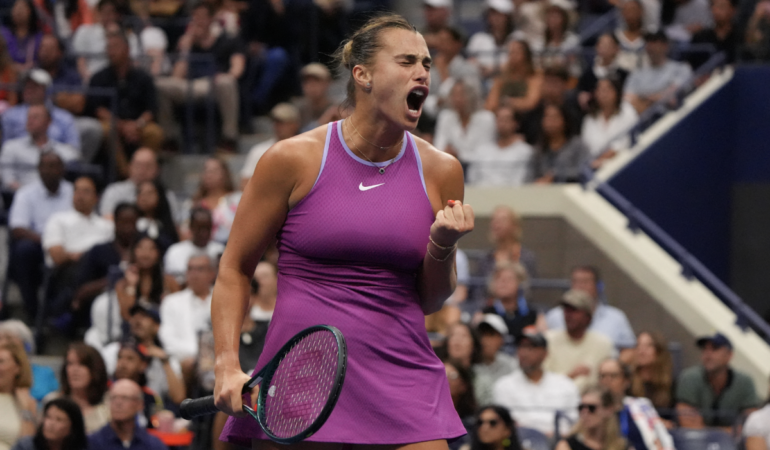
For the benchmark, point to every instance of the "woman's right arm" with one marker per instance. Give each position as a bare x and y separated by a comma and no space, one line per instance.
562,445
755,443
282,177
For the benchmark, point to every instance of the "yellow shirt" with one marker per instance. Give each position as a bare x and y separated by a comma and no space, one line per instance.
564,354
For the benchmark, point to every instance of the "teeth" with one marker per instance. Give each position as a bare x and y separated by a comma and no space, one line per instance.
419,93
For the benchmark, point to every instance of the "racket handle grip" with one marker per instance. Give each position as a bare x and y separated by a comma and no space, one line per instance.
194,407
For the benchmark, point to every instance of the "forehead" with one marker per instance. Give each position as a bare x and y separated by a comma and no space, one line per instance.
397,41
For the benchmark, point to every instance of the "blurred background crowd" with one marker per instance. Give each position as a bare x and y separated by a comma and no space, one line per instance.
105,306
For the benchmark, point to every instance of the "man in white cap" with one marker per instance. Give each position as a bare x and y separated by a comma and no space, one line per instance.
34,87
494,363
315,100
286,123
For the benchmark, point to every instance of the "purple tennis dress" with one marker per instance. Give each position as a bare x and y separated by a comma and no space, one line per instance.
349,255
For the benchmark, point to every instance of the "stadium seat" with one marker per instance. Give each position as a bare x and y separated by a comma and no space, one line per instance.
685,439
533,440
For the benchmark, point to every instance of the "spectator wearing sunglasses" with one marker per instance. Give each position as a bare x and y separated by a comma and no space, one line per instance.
639,423
495,430
597,426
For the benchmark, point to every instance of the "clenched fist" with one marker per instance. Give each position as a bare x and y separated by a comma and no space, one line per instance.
452,223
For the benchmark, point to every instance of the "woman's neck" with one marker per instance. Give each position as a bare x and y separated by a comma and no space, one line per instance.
632,35
511,304
215,193
499,36
6,388
366,136
556,142
465,117
21,31
80,397
645,373
594,435
608,111
556,38
55,445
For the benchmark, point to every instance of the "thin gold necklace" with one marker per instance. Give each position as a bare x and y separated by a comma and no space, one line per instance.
372,143
381,169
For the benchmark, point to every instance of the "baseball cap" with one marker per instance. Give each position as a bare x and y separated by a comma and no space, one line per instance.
579,300
39,76
438,3
494,322
317,70
285,112
718,340
143,306
503,6
534,337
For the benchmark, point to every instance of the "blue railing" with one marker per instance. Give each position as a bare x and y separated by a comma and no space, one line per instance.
692,268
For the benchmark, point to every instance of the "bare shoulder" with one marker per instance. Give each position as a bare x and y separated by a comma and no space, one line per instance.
444,179
297,149
436,162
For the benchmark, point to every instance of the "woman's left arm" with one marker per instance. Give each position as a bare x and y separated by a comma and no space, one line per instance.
437,278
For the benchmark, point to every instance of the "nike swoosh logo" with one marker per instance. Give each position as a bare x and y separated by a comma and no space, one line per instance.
361,186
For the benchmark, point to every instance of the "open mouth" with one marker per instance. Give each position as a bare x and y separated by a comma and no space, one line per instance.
416,98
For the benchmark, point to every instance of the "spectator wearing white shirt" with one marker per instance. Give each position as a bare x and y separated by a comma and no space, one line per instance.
533,394
19,157
32,206
663,77
577,351
143,167
464,125
631,36
504,162
494,363
606,319
488,48
187,313
68,235
606,127
177,256
286,124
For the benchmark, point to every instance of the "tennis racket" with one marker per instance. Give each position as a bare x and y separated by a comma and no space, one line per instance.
298,387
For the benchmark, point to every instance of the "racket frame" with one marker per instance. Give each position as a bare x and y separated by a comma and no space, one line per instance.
267,372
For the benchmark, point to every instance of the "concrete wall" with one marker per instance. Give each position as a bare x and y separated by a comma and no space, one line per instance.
559,247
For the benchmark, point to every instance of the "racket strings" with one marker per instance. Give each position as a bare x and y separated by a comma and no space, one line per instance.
302,384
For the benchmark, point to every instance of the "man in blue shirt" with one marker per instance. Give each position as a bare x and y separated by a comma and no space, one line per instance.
68,94
32,205
122,433
607,320
62,128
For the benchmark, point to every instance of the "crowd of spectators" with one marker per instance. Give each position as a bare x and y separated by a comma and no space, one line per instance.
128,266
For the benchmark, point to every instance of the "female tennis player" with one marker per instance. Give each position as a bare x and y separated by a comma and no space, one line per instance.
367,218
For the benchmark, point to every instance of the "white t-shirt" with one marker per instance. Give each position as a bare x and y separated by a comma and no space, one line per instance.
177,256
106,322
491,165
533,405
183,316
599,133
450,131
758,425
76,232
564,354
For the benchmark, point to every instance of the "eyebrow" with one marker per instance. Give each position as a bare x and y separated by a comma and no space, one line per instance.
413,58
